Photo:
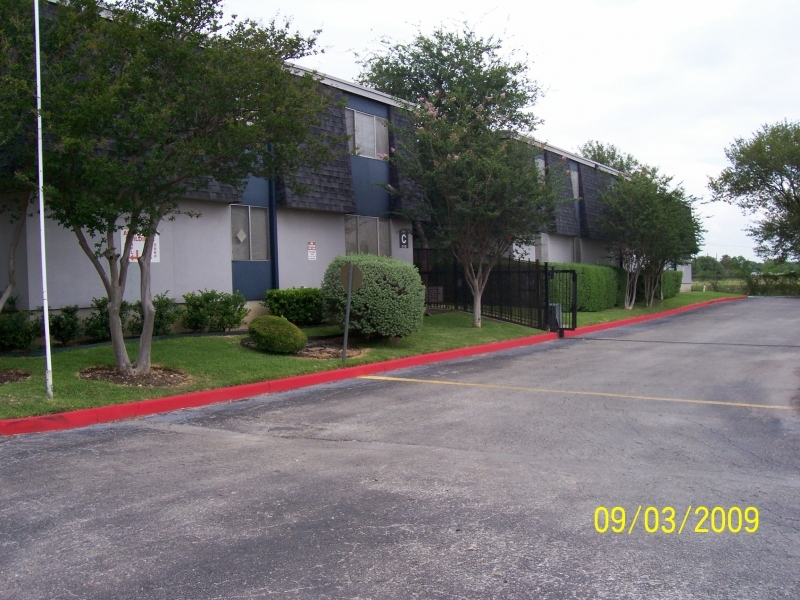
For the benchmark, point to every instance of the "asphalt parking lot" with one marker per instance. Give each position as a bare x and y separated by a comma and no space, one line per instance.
474,478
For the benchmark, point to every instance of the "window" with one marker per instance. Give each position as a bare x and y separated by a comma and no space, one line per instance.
249,233
369,135
367,235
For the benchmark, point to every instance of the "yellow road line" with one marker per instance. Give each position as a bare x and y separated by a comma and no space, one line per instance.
568,392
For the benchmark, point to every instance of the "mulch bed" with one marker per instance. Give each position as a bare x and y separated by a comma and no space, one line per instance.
12,375
157,377
319,349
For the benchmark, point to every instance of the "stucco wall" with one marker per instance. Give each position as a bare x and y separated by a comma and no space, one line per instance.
195,254
595,252
553,248
297,227
6,232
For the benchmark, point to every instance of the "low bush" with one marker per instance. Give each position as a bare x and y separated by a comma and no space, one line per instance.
390,302
66,326
598,285
773,284
211,310
19,330
301,306
97,325
167,314
276,334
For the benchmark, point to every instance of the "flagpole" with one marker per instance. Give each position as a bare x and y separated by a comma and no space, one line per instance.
45,307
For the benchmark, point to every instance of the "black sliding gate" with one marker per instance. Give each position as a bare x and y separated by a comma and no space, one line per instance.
518,291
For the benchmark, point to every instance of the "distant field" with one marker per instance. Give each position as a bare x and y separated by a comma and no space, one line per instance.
730,285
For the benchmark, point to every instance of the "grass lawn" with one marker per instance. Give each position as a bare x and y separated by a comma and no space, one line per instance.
220,361
615,314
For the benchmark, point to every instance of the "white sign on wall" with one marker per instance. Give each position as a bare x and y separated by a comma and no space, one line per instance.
312,250
137,247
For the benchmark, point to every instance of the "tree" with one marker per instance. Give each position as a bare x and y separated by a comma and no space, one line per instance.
479,183
648,226
155,101
610,155
764,180
17,126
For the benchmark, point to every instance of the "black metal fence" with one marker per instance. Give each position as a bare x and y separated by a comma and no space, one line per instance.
518,291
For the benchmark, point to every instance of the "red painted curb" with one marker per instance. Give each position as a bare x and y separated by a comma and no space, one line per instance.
116,412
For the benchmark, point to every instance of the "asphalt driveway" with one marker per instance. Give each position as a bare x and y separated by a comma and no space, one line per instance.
475,478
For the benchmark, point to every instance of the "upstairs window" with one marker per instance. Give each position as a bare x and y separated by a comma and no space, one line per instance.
369,135
367,235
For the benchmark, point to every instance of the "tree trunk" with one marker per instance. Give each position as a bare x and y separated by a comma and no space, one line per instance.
12,251
631,282
114,282
420,233
143,364
476,310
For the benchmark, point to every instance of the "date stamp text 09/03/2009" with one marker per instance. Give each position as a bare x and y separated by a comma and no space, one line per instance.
666,520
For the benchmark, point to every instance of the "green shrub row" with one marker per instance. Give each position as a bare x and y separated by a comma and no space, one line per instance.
390,303
208,310
598,285
18,331
301,306
211,310
773,284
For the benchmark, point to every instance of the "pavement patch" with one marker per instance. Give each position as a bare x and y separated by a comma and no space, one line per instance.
574,392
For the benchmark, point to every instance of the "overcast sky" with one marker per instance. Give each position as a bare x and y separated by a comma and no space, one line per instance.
673,83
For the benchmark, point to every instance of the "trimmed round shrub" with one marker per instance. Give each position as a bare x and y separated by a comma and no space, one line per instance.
390,302
276,334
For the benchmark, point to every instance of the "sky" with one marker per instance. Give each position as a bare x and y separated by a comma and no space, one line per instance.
672,83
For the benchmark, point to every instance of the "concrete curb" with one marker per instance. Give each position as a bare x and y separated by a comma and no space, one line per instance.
116,412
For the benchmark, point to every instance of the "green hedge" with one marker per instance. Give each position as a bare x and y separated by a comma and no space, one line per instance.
773,284
598,285
390,303
19,329
301,306
214,311
97,326
167,313
671,283
277,335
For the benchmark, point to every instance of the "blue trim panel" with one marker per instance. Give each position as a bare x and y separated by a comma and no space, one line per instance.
372,200
273,233
252,277
368,106
256,192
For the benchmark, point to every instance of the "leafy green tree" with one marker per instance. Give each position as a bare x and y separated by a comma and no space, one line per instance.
609,154
648,226
706,267
17,126
456,69
764,180
155,101
478,181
